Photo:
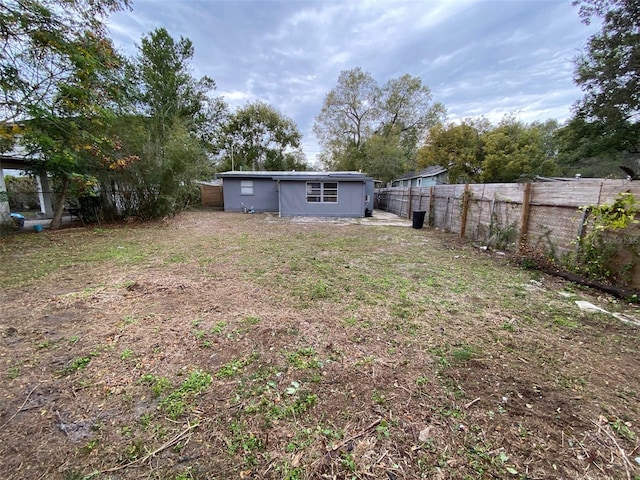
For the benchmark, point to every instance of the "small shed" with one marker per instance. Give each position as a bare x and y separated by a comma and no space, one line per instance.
317,194
427,177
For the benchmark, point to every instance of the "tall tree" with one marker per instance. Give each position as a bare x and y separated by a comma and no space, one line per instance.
476,151
56,80
350,114
407,110
586,148
376,129
170,135
459,147
259,137
168,91
41,48
607,71
547,130
514,151
384,158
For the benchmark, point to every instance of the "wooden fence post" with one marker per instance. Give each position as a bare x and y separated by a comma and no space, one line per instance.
409,206
404,193
432,192
465,209
524,219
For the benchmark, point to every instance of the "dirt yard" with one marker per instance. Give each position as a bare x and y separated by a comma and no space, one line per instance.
224,346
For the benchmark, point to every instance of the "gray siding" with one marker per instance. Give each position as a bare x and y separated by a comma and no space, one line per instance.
369,192
264,198
424,182
293,200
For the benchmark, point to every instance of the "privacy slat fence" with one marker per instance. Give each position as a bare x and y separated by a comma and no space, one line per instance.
504,214
211,195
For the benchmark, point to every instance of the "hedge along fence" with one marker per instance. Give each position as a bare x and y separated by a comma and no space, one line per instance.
541,216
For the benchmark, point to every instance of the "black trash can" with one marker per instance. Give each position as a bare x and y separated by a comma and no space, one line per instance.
418,218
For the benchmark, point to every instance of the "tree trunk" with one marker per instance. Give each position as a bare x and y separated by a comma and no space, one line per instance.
58,209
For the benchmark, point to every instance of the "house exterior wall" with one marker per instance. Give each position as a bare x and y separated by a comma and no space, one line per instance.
442,178
293,200
425,181
369,191
400,183
264,198
429,181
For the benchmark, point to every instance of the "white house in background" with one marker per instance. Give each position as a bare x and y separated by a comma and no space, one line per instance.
427,177
18,159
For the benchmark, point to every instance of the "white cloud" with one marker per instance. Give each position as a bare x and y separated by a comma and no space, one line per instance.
235,96
478,57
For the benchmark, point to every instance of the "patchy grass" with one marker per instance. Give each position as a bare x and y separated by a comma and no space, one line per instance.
245,346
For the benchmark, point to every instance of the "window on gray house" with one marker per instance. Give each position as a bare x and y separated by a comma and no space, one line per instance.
322,192
246,187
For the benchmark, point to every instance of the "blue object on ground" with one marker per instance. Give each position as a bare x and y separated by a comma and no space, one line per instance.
37,227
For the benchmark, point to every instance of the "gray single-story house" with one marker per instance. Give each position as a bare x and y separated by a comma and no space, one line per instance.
427,177
315,194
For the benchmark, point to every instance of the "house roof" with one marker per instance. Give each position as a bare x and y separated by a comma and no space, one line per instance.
18,157
299,176
210,183
576,178
431,171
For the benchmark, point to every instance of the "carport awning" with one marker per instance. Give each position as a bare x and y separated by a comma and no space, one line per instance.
17,162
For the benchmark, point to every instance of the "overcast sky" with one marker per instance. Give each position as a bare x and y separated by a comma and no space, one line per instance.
479,58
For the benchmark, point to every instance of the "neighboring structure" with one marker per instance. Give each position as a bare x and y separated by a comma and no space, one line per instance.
18,159
316,194
434,175
577,176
